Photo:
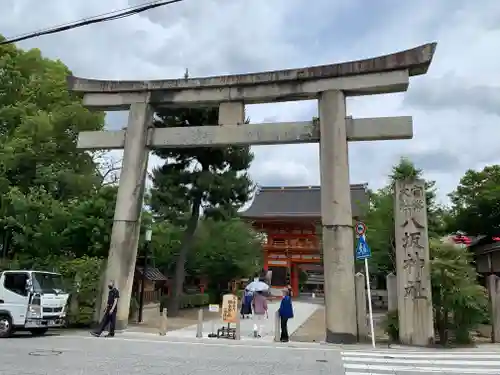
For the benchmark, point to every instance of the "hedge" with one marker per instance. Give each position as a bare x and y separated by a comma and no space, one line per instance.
188,300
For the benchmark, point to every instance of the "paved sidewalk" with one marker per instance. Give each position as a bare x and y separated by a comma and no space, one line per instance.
302,312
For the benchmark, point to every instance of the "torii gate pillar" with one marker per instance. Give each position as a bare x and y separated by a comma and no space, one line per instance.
336,217
122,255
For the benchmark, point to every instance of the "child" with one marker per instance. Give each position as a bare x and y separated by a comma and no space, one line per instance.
285,313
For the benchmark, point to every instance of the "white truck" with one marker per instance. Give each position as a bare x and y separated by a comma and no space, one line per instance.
31,301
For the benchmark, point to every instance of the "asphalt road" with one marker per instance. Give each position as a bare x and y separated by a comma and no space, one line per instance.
457,362
82,354
79,353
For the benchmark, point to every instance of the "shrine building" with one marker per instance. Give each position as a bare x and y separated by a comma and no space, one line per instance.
289,219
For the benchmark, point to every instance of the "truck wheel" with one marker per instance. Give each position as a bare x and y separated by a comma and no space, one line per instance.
38,331
5,326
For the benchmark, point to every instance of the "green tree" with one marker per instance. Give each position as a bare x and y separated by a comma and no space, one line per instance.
166,243
460,303
214,179
41,171
380,217
225,250
476,202
380,231
88,231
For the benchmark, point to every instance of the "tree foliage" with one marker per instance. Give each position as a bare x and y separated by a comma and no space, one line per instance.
222,250
380,231
225,250
43,177
380,217
193,178
460,303
476,202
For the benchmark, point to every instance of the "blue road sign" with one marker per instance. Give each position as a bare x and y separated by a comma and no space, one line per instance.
363,251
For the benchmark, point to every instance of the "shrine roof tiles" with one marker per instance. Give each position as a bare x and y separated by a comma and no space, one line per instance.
152,274
298,201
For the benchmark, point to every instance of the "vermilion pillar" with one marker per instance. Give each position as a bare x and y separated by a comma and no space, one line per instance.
295,279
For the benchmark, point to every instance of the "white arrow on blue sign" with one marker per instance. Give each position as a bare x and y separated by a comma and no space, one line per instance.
363,251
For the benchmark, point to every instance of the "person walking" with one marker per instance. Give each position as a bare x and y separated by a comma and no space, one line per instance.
246,305
285,313
259,312
110,312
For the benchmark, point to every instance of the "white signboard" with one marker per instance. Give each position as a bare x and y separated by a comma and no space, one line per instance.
213,308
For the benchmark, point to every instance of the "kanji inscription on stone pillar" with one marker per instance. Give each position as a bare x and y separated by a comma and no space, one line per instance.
412,264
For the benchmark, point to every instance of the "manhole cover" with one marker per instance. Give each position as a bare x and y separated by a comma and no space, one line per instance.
45,353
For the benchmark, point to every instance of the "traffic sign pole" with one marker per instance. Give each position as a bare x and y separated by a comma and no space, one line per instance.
363,252
369,295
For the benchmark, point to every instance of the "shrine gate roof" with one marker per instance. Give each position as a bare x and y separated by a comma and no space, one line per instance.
299,201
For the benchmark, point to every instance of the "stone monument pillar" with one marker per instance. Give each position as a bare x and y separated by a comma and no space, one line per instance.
336,216
126,222
412,264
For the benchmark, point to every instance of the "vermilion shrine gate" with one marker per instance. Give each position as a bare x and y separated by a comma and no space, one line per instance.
290,217
329,84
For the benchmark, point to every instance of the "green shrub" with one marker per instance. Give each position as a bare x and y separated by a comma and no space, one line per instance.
84,318
213,296
391,325
88,271
459,302
188,300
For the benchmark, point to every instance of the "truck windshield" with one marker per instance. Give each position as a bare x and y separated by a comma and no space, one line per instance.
44,282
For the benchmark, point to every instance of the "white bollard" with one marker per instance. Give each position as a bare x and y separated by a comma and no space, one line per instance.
163,322
237,334
277,326
199,326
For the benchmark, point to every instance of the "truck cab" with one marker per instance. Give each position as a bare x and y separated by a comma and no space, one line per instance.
31,301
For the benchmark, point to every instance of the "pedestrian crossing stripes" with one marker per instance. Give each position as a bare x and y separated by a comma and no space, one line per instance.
422,362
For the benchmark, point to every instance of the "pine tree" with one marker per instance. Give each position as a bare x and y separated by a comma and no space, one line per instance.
193,179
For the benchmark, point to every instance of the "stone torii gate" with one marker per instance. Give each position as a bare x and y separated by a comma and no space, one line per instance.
330,84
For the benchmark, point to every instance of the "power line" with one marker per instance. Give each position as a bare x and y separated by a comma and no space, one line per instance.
104,17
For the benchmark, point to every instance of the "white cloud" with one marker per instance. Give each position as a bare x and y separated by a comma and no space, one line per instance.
454,106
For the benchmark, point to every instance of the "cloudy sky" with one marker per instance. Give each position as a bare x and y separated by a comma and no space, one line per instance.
455,107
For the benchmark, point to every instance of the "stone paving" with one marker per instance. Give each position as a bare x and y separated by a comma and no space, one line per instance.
302,312
186,318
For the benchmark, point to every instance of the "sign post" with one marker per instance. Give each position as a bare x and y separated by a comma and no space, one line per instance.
363,252
214,309
230,315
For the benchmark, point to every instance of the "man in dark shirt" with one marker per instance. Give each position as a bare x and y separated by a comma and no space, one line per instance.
110,312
